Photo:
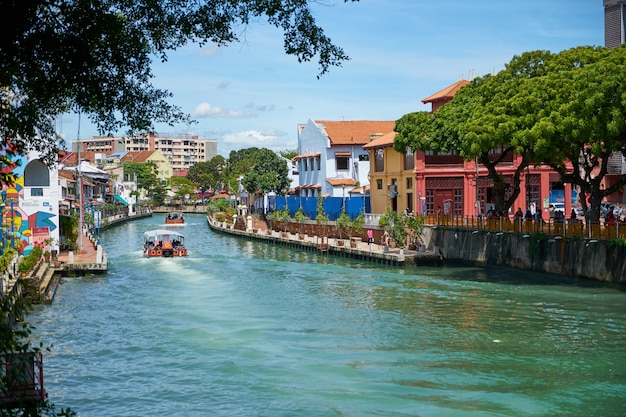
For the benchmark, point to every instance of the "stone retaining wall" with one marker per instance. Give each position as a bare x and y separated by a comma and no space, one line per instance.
600,260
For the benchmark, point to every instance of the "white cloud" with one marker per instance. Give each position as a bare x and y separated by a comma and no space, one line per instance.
206,110
272,139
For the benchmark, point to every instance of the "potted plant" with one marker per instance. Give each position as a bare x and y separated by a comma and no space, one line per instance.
46,256
356,227
283,217
300,217
342,223
322,217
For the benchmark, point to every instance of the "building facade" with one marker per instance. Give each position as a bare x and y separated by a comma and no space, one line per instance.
614,23
181,151
331,159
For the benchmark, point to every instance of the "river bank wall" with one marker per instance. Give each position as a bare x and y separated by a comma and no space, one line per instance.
599,260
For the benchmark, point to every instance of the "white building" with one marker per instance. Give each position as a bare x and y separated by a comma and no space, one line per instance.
331,159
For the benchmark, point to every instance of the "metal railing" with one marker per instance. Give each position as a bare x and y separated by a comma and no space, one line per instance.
564,228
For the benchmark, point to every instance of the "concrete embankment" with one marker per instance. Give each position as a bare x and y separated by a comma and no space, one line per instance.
599,260
339,247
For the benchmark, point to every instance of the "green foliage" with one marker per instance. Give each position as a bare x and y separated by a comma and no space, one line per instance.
5,259
414,225
146,174
269,172
300,217
14,339
29,261
208,174
356,227
283,217
96,59
288,153
394,225
321,218
343,222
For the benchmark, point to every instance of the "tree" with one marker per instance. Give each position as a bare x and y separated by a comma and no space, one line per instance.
14,342
269,173
94,57
534,108
207,174
584,125
145,173
182,186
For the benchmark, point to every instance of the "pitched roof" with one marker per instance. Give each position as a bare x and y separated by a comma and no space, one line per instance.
357,132
340,181
137,156
384,141
447,93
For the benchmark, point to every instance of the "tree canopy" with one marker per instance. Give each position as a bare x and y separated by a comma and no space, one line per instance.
94,57
565,110
269,173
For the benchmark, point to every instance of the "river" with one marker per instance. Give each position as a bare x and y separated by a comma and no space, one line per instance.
241,328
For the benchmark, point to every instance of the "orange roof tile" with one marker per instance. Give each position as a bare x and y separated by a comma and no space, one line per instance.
354,132
137,156
384,141
447,93
340,181
306,155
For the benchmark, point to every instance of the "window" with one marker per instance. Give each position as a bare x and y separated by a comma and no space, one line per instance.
318,161
380,161
379,184
342,161
409,160
364,158
36,192
409,183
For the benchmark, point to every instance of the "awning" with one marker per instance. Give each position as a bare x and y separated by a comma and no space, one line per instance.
120,199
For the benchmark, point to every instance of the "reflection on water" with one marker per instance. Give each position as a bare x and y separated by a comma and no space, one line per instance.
245,328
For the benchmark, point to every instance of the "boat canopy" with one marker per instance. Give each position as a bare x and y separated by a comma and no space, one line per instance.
163,235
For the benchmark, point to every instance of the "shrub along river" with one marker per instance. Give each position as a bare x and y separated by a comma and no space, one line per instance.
241,328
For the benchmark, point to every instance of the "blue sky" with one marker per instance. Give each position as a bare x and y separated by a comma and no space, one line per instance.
253,94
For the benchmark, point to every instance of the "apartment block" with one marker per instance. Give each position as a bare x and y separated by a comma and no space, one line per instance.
614,23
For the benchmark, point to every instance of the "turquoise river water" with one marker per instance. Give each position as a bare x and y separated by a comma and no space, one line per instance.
241,328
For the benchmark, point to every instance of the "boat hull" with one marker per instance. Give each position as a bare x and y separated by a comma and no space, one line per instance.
164,253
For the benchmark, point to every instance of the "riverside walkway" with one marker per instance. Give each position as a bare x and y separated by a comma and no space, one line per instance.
354,248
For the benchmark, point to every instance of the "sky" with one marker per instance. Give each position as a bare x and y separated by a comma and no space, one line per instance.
252,94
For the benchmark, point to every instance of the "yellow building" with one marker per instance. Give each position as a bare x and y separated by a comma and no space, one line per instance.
391,176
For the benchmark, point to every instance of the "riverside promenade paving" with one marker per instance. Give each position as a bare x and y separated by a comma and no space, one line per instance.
338,247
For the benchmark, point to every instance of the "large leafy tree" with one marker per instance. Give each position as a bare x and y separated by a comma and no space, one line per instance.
269,173
540,107
146,175
584,124
94,57
208,174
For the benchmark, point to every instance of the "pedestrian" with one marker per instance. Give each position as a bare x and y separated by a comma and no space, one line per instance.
518,215
370,236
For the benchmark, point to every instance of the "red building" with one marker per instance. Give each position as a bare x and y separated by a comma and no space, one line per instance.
455,186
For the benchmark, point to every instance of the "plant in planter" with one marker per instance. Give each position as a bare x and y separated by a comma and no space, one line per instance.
46,256
415,225
322,217
300,217
394,225
342,223
284,217
356,226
